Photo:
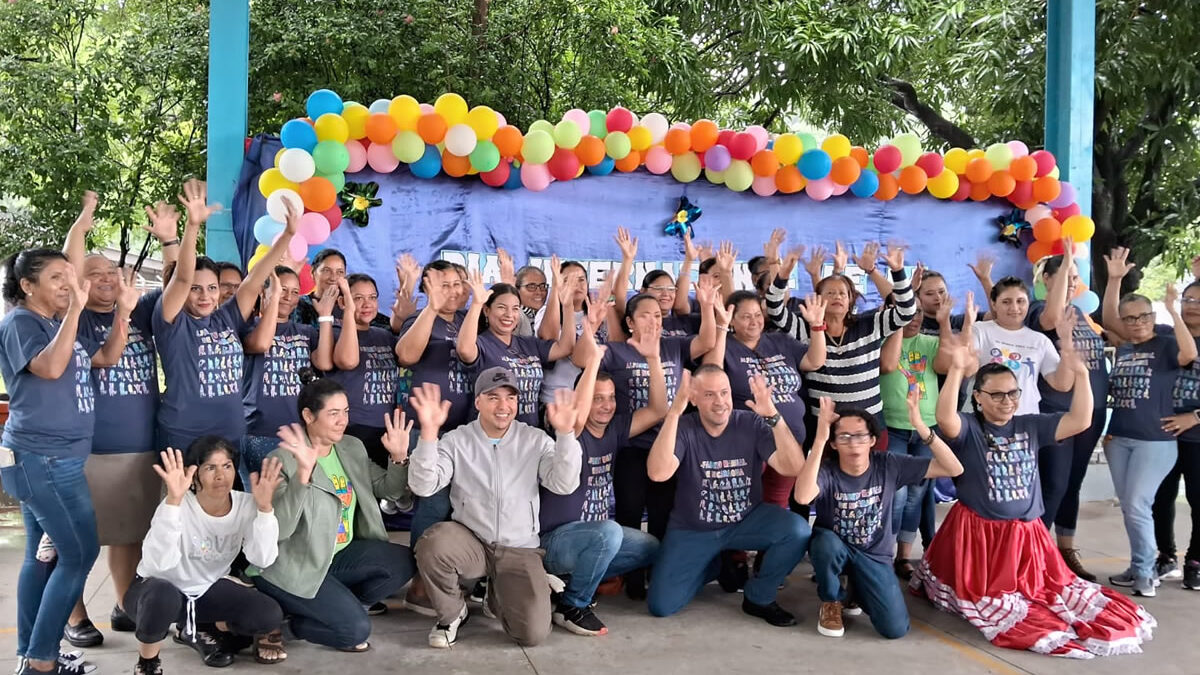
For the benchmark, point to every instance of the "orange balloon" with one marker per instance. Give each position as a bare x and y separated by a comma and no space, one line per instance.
765,163
789,180
1038,250
629,162
845,170
704,135
979,170
1001,183
678,141
508,140
590,151
888,188
1046,189
1048,230
980,192
381,128
913,179
455,166
432,128
860,155
318,194
1023,168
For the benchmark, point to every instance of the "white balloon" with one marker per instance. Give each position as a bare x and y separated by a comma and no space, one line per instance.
658,126
380,105
277,203
460,140
296,165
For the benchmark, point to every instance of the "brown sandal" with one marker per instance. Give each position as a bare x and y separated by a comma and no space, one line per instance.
268,648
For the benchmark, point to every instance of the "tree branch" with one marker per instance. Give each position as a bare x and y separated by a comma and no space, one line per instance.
904,96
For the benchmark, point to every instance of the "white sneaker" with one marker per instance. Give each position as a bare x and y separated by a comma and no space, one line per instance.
443,636
46,552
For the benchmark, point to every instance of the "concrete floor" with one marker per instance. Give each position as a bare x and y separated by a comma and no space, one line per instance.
710,636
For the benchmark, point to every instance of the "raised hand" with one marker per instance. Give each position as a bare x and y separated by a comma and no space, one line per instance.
826,413
816,260
408,270
597,312
272,294
1065,328
944,309
293,439
176,478
648,344
706,290
164,221
690,252
918,276
812,309
771,248
562,412
128,298
1196,267
508,269
869,258
763,403
983,265
294,213
264,481
627,244
397,428
1171,298
1118,263
794,255
88,205
841,257
79,291
437,290
726,256
894,257
348,308
195,202
706,250
913,400
324,304
431,410
723,314
680,403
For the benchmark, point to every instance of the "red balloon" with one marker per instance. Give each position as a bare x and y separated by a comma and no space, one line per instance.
1066,212
1022,193
743,145
564,164
725,137
1045,162
334,215
964,190
307,283
498,176
619,119
1057,248
932,163
887,158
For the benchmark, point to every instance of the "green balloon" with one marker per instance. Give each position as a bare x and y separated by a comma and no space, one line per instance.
338,179
485,157
1000,155
739,176
1039,290
910,148
715,177
408,147
567,134
686,167
599,120
617,145
808,140
331,157
538,148
542,125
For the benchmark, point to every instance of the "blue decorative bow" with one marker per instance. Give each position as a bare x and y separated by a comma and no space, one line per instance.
685,214
1011,225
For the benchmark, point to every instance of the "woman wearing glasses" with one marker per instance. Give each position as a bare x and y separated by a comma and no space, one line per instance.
531,289
1140,451
992,561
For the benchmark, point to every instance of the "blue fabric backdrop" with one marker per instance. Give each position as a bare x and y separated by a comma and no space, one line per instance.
465,220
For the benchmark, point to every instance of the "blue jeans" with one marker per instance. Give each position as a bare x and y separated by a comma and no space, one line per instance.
909,501
55,500
874,582
593,551
363,573
688,559
254,450
1138,468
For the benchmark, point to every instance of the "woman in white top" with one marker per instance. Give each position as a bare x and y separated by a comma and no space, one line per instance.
196,533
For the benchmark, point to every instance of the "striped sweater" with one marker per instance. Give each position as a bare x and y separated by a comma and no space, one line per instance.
851,372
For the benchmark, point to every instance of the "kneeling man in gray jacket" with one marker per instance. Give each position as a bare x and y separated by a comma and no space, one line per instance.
493,467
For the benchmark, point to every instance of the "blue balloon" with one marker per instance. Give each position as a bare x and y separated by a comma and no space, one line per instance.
815,164
298,134
314,249
514,178
266,229
323,101
380,105
866,185
1088,302
604,168
429,165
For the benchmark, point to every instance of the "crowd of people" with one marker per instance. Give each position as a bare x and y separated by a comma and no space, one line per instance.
549,439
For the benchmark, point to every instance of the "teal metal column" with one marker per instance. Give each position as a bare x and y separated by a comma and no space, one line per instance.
228,91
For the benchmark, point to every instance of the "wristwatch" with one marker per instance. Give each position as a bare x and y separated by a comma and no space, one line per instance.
773,420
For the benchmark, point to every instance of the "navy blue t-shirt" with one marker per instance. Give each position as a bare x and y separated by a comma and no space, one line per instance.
202,360
46,417
1000,475
592,500
1186,396
127,393
631,378
1090,346
720,479
439,364
859,508
1141,387
777,358
371,387
271,382
677,326
524,356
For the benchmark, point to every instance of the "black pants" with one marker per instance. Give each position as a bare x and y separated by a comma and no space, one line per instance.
635,493
1188,468
1061,467
155,604
372,440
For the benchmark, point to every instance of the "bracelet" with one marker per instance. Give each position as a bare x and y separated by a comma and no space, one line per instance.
929,439
724,328
325,319
818,327
173,242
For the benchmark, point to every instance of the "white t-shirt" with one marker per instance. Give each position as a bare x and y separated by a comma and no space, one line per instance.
564,372
1027,352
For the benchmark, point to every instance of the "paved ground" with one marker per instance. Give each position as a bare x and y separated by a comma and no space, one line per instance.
710,636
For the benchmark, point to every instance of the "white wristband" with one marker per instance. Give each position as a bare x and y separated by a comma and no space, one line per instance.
324,319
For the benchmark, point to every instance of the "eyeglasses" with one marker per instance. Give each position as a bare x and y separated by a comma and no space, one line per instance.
999,396
660,289
854,439
1135,319
535,287
1190,301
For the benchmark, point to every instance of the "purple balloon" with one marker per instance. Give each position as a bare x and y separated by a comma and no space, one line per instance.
717,158
1065,197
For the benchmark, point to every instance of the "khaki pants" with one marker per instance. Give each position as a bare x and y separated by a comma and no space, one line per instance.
449,554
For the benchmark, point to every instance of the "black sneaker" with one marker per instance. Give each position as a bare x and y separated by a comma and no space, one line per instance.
479,593
772,613
1191,575
148,666
734,573
1168,569
579,620
83,634
207,646
635,585
376,609
66,665
121,621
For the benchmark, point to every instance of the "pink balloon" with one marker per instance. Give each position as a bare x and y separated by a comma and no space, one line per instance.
682,125
428,108
535,177
501,119
358,156
314,227
1018,149
1037,213
839,189
764,186
819,190
760,136
298,246
658,160
580,118
381,158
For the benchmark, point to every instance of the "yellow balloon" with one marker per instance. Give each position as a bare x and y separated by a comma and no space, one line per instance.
277,156
452,108
975,153
640,138
1053,172
259,253
837,146
956,160
943,185
788,148
483,122
272,180
356,115
331,127
405,110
